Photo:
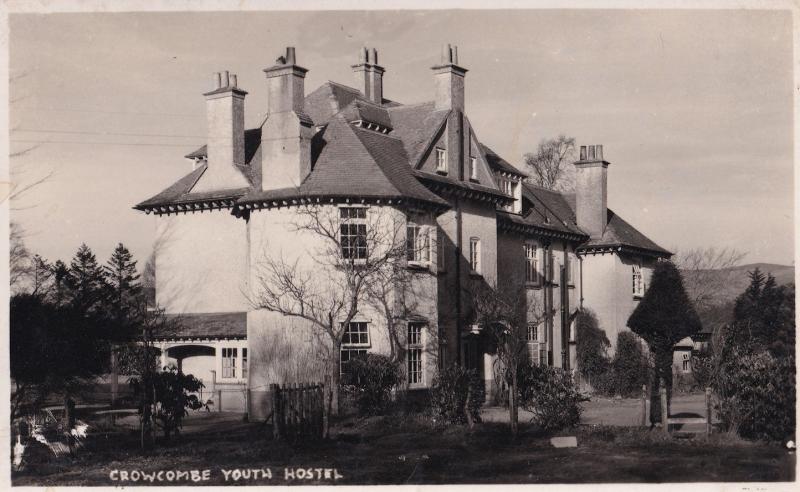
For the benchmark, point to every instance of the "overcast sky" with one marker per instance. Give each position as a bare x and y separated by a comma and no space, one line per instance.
694,108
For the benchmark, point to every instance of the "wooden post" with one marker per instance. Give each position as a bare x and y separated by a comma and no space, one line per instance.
708,411
273,393
247,404
219,400
644,405
664,409
320,410
302,409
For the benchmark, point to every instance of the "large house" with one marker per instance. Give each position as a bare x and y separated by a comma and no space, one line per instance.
470,219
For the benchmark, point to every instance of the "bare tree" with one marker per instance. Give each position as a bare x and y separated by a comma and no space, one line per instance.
328,286
504,317
707,272
550,166
19,257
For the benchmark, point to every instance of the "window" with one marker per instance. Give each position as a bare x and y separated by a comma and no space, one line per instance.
475,254
244,363
535,345
473,168
353,233
414,353
441,160
354,342
229,356
418,244
531,264
638,284
570,269
687,367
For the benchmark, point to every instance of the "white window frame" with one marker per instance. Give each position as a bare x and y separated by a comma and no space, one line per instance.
638,281
475,254
352,230
532,264
418,244
245,364
686,363
358,347
229,356
441,160
473,168
415,354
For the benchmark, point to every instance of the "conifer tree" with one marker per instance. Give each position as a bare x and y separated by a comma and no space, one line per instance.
86,282
664,316
60,295
123,284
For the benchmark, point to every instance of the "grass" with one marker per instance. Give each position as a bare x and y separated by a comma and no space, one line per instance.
409,450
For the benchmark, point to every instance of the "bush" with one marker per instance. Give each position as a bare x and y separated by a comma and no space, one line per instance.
449,395
756,395
551,395
370,381
591,348
630,367
703,368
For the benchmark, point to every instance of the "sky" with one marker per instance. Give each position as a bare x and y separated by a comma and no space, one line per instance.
694,108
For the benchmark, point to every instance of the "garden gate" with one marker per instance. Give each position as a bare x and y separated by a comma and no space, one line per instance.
298,410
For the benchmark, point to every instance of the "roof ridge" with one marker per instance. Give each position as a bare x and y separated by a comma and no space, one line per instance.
346,87
430,141
411,106
371,155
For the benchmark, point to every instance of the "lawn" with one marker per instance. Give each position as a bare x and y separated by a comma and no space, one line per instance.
407,450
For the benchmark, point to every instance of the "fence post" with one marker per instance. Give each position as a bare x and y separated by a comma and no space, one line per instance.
320,411
219,400
302,405
247,404
664,409
708,411
273,393
644,405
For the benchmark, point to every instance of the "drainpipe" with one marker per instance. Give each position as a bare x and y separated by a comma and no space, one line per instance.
458,280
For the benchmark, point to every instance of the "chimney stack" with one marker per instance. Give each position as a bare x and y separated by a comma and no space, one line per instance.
225,140
287,131
449,80
591,190
369,75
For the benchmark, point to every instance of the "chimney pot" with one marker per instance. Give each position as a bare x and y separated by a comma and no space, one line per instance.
583,153
363,55
454,58
290,55
374,56
600,152
445,53
591,152
233,80
225,79
217,80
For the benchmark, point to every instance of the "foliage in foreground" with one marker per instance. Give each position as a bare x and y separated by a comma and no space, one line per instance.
457,395
172,396
551,395
370,380
754,366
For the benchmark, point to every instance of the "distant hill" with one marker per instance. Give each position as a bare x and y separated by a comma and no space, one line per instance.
733,282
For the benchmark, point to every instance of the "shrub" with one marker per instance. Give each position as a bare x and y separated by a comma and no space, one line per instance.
591,348
630,367
449,395
551,395
370,380
756,395
703,368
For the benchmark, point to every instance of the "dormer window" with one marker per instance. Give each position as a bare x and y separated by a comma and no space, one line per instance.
441,161
473,168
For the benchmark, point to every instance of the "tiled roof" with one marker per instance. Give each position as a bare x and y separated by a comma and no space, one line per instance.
330,98
620,233
497,163
205,325
417,126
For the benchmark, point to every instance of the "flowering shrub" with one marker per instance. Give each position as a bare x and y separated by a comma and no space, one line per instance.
449,392
551,395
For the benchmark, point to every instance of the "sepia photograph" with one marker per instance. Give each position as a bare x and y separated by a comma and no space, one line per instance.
458,243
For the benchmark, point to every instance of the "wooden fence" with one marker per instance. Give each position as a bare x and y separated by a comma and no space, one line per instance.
298,411
666,420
